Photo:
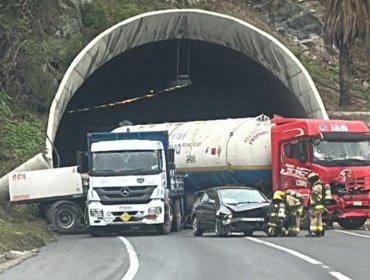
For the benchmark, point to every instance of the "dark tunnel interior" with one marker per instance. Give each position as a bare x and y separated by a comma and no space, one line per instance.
224,84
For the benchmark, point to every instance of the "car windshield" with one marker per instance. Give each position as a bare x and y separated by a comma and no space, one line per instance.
346,153
126,162
240,196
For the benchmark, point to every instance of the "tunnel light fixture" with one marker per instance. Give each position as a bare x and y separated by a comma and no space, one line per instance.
182,79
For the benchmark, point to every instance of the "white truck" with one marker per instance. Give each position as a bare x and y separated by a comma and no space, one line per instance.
132,183
124,180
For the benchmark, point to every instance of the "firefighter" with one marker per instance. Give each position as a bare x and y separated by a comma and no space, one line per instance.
294,203
276,216
316,206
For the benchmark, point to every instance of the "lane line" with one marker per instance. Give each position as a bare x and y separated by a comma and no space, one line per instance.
306,258
339,275
352,233
134,262
290,251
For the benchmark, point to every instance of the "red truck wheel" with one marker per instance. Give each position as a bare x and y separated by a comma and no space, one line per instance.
352,223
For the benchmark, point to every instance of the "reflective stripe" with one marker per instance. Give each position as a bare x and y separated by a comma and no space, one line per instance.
313,228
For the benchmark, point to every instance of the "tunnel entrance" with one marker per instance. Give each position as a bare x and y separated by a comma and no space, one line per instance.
224,84
235,69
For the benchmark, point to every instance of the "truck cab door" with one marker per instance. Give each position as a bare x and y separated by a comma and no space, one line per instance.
294,163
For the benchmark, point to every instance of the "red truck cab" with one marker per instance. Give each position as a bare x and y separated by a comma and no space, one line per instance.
338,150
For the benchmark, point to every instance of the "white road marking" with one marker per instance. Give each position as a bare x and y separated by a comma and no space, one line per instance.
352,233
339,275
290,251
306,258
134,262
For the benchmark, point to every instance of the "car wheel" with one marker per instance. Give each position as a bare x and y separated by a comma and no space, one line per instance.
220,230
197,231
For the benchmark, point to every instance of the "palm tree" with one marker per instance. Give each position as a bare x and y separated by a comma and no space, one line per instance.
345,22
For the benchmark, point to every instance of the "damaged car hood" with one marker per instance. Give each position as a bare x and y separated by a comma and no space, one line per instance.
246,206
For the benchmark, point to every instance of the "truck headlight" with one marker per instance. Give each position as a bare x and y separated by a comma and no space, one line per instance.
96,213
155,211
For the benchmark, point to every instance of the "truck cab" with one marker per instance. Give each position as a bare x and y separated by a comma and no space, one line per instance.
130,177
335,149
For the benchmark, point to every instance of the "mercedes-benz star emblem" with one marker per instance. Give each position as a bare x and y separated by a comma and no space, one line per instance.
125,192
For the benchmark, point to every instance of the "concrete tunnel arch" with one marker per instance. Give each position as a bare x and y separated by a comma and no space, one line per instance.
150,36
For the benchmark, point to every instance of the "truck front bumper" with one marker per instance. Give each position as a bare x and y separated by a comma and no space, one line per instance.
127,214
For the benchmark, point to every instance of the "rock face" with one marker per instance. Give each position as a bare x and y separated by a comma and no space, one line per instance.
298,20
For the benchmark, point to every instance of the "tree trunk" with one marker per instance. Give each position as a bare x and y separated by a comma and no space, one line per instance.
344,75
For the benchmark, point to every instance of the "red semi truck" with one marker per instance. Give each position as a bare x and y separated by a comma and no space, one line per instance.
335,149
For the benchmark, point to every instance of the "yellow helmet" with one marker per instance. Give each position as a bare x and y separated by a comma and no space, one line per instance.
313,177
278,195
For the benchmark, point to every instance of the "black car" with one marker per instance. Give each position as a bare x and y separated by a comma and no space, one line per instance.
228,209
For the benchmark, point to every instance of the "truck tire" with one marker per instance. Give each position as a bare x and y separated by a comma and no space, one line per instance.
177,216
197,230
95,231
165,228
65,217
352,223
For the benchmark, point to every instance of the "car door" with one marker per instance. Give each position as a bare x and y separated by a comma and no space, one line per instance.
210,209
200,209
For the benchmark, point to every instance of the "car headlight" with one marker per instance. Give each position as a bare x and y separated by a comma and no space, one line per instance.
224,213
96,213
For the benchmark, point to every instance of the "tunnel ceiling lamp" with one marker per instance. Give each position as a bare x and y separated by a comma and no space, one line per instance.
182,79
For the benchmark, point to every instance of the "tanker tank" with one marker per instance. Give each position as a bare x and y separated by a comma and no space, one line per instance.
217,152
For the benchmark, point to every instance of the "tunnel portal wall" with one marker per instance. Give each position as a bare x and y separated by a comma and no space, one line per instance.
186,24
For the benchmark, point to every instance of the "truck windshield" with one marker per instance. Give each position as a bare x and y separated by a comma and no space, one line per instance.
342,153
126,162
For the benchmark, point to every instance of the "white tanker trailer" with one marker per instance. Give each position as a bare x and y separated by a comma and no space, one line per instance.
217,152
277,154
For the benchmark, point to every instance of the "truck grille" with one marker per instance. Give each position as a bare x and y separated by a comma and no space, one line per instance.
125,195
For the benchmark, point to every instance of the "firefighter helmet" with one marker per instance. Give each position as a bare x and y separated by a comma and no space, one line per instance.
313,177
278,195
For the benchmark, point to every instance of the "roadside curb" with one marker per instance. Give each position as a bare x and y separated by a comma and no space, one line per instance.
13,258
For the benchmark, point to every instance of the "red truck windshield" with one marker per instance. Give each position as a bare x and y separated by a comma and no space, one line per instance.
330,153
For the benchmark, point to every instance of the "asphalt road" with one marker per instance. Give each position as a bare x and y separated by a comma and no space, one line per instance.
338,255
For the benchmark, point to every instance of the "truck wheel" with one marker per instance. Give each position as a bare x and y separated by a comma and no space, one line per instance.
165,228
352,223
197,231
177,217
94,231
66,217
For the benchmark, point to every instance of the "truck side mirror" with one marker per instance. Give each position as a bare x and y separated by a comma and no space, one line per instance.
82,161
171,155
